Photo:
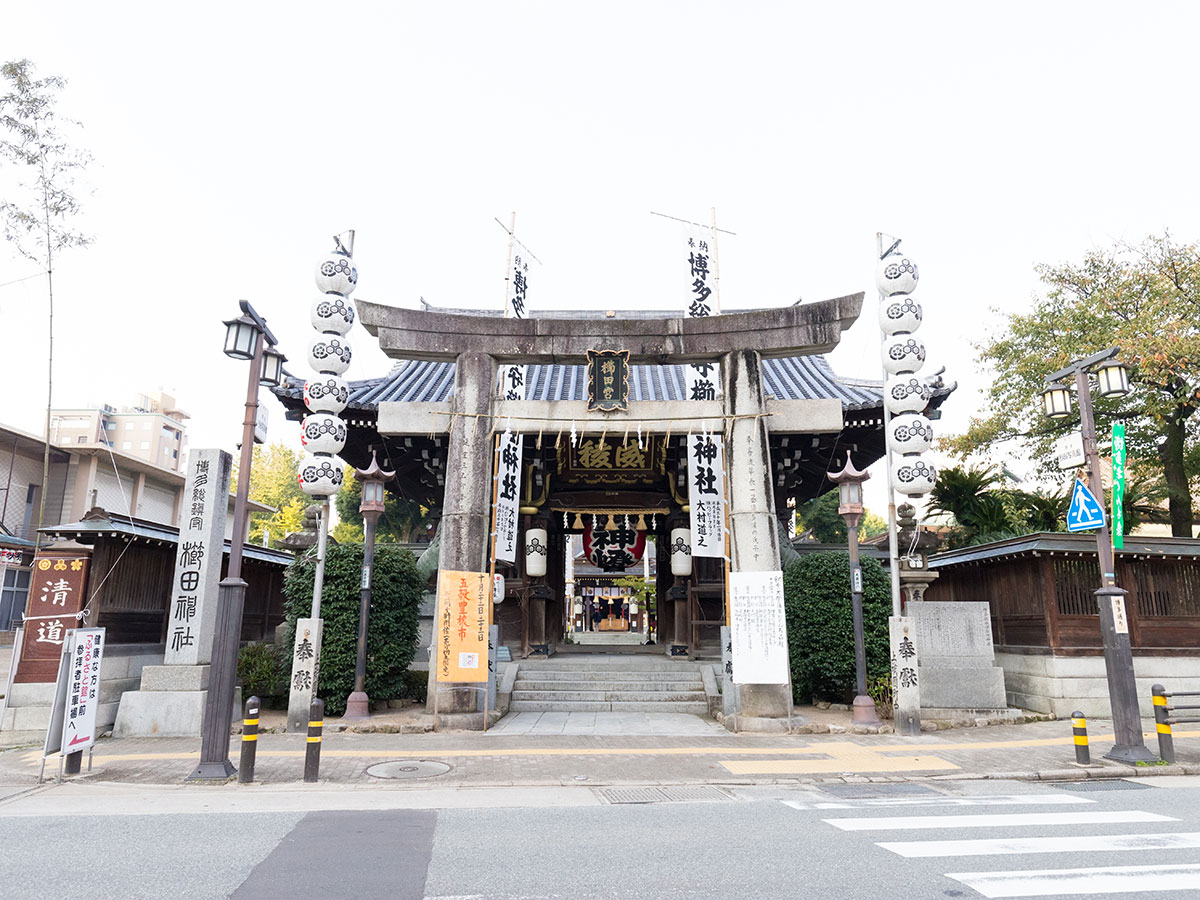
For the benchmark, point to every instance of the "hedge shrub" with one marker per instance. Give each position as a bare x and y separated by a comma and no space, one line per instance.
260,672
392,630
820,624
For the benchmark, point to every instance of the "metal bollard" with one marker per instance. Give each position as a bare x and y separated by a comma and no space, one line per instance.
312,753
1162,724
249,742
1083,754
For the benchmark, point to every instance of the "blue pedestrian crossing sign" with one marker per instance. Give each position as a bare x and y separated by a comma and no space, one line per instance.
1085,512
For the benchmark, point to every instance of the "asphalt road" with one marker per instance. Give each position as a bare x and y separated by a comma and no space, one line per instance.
905,840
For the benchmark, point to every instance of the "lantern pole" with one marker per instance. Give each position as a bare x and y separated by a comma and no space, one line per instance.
893,536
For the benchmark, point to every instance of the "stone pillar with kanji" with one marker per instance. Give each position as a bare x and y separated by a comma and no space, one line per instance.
170,699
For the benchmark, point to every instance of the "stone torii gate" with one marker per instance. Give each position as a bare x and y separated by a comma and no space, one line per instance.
478,344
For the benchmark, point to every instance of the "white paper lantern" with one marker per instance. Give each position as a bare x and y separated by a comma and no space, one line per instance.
336,274
913,476
633,607
536,552
332,313
320,476
906,393
910,433
903,353
329,354
900,315
578,607
681,551
896,274
326,393
323,433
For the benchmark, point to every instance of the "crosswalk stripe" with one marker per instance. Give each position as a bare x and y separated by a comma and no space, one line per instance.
996,800
1105,880
1068,844
996,821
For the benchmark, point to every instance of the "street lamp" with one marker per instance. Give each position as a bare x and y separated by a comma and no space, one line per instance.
850,507
372,479
1118,657
246,337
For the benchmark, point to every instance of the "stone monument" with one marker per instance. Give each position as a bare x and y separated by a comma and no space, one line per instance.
170,700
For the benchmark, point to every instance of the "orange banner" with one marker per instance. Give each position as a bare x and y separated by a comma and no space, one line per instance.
462,626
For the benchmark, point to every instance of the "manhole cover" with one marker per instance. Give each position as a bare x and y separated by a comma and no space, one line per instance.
876,790
663,795
408,768
1109,784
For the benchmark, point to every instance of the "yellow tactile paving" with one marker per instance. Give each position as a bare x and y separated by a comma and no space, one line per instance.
840,756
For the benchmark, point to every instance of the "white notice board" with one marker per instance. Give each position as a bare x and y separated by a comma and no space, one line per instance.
758,630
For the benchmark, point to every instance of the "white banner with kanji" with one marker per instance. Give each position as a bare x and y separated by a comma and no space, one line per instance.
706,494
703,378
506,521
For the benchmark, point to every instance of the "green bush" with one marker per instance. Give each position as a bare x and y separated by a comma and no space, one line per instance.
416,685
392,632
820,624
260,673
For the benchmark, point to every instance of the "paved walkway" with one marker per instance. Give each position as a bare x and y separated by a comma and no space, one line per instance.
501,758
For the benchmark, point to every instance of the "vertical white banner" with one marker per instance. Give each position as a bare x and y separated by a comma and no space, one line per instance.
703,378
706,494
758,630
512,378
508,493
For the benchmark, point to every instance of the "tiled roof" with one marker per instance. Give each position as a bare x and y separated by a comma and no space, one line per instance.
792,378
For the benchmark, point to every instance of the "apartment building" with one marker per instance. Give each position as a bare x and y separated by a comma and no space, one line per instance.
151,429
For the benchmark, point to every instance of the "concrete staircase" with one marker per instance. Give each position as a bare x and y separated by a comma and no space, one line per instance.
608,684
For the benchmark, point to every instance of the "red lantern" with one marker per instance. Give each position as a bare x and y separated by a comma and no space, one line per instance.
613,549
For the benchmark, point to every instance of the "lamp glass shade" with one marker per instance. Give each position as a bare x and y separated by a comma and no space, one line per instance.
850,493
1113,379
272,367
240,335
1056,401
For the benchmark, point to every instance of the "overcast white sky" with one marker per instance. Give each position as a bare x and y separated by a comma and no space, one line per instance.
231,141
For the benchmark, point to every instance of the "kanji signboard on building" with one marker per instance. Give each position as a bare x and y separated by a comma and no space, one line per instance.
706,494
56,594
508,494
607,380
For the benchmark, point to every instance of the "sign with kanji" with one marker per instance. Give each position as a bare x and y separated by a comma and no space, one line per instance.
1085,511
607,380
305,672
462,626
1118,485
506,520
83,689
703,378
192,607
706,494
757,627
512,377
56,594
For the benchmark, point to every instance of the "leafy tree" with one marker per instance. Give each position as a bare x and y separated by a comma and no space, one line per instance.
985,508
821,517
273,481
396,591
1146,301
403,520
35,212
820,624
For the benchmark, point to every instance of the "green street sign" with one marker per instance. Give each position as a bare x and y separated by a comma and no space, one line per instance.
1118,482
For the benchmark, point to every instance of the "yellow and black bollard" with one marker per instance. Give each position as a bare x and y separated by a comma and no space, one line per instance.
1162,724
1083,754
312,754
249,742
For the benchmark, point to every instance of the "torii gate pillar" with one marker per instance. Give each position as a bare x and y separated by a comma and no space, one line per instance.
754,536
466,505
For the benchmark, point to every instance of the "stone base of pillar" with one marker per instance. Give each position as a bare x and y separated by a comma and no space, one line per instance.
453,699
761,725
358,706
677,650
540,651
467,721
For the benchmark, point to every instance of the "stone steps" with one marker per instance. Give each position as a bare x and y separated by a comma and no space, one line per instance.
695,708
609,684
676,686
585,696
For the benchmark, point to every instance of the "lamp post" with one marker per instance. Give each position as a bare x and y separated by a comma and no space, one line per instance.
372,479
246,337
1112,381
850,507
